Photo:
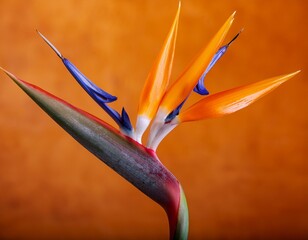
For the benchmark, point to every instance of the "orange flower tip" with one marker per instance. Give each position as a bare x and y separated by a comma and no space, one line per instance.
141,125
296,72
286,77
230,21
180,4
231,18
50,45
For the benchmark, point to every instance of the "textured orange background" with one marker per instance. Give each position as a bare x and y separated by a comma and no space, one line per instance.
245,175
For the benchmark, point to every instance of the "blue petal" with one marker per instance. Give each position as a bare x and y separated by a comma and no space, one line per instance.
174,113
99,96
94,91
200,88
122,120
125,120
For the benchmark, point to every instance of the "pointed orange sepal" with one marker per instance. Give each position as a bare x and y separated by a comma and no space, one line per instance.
187,81
232,100
158,79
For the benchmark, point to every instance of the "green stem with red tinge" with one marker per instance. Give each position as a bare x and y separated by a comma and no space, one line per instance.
182,220
137,164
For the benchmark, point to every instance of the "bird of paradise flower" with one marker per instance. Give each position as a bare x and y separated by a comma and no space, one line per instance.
159,106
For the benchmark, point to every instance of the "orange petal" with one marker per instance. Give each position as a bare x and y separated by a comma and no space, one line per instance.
232,100
157,80
187,81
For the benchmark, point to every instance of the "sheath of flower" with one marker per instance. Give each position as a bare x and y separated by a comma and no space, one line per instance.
136,163
158,103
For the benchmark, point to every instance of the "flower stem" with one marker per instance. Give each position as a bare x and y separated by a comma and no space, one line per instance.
181,230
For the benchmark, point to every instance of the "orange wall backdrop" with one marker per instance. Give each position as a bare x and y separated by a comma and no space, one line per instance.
245,175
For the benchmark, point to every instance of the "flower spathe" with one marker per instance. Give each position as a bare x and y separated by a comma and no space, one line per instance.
134,162
123,150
